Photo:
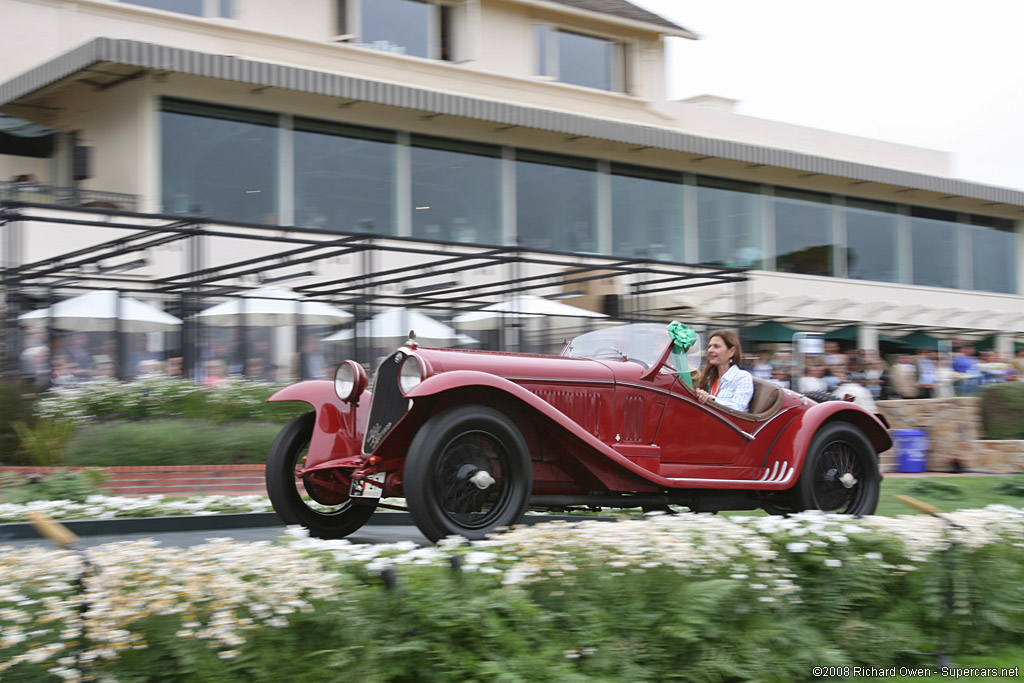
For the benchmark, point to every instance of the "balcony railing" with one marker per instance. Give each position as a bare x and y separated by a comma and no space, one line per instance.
66,196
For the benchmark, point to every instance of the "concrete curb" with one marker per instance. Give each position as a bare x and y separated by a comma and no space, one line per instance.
13,531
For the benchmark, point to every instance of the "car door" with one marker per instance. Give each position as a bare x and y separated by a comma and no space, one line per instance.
692,433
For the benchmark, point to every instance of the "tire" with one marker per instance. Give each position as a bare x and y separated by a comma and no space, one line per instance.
837,449
454,446
285,459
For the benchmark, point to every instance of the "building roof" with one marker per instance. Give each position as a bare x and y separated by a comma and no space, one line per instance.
141,57
623,10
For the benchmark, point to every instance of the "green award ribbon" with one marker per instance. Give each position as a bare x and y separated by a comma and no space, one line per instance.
682,339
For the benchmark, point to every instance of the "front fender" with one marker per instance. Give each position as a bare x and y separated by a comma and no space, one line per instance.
792,444
338,429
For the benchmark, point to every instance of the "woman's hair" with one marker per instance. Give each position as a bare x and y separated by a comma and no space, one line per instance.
710,372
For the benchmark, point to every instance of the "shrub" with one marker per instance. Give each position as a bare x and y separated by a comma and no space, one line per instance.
1002,410
159,396
17,405
57,485
170,442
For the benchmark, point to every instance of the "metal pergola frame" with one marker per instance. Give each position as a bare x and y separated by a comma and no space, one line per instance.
429,284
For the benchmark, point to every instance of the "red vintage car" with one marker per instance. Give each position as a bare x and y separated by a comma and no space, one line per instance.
471,439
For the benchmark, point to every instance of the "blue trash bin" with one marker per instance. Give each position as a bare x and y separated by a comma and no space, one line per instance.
911,446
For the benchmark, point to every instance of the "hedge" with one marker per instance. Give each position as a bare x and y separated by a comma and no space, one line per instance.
1002,410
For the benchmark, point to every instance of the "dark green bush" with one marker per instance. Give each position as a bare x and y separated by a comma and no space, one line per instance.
170,442
1002,410
17,406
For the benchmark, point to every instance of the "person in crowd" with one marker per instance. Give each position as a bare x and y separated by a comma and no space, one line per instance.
79,356
34,361
874,377
814,380
216,371
63,373
926,376
833,355
903,377
312,363
722,381
780,377
760,367
966,373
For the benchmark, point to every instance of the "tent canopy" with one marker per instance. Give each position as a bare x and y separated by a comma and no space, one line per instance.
98,311
526,306
770,331
272,307
919,340
396,323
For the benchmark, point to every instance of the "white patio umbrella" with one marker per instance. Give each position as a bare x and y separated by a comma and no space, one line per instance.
98,311
526,306
272,307
395,324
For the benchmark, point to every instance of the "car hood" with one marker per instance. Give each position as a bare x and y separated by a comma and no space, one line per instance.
516,366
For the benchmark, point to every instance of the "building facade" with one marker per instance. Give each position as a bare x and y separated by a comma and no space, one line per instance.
536,124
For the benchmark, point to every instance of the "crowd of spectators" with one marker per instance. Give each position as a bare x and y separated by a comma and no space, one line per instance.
867,376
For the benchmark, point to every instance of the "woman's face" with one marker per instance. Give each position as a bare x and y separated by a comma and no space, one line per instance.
718,353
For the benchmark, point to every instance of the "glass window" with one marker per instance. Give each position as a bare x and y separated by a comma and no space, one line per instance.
647,213
344,177
871,246
456,191
934,249
803,232
556,202
400,26
193,7
729,223
578,59
993,247
219,162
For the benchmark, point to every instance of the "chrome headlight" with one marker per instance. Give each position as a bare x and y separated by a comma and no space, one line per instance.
410,375
349,381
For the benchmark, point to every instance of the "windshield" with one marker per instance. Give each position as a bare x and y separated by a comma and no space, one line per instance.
640,342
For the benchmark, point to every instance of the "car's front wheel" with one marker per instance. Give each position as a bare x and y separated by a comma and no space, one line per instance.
284,462
467,473
840,472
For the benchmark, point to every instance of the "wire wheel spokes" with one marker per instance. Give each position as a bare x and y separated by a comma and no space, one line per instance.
838,477
469,479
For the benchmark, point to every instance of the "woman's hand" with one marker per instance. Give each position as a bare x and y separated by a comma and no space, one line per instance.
703,396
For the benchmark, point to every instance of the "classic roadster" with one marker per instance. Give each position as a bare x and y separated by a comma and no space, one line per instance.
472,439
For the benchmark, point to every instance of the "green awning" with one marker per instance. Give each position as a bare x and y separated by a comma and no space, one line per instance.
770,331
919,340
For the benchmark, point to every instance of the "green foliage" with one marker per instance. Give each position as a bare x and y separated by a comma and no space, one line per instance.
1014,487
170,442
1002,410
17,404
76,485
157,396
44,443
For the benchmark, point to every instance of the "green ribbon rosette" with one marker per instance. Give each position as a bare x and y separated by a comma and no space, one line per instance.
682,339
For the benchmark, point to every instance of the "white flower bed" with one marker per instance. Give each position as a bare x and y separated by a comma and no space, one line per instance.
111,507
222,590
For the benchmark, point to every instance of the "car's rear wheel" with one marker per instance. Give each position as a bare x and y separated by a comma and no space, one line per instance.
467,473
284,462
840,472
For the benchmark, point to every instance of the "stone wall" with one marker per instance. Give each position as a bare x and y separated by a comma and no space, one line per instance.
954,431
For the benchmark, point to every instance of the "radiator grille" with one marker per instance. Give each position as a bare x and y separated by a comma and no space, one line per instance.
388,404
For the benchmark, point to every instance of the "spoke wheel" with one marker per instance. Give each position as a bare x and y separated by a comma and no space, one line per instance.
335,515
467,473
840,473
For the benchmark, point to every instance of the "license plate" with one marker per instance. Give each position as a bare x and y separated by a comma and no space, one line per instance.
370,487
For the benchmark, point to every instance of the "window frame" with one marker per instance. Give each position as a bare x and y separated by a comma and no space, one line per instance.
546,56
212,9
348,25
